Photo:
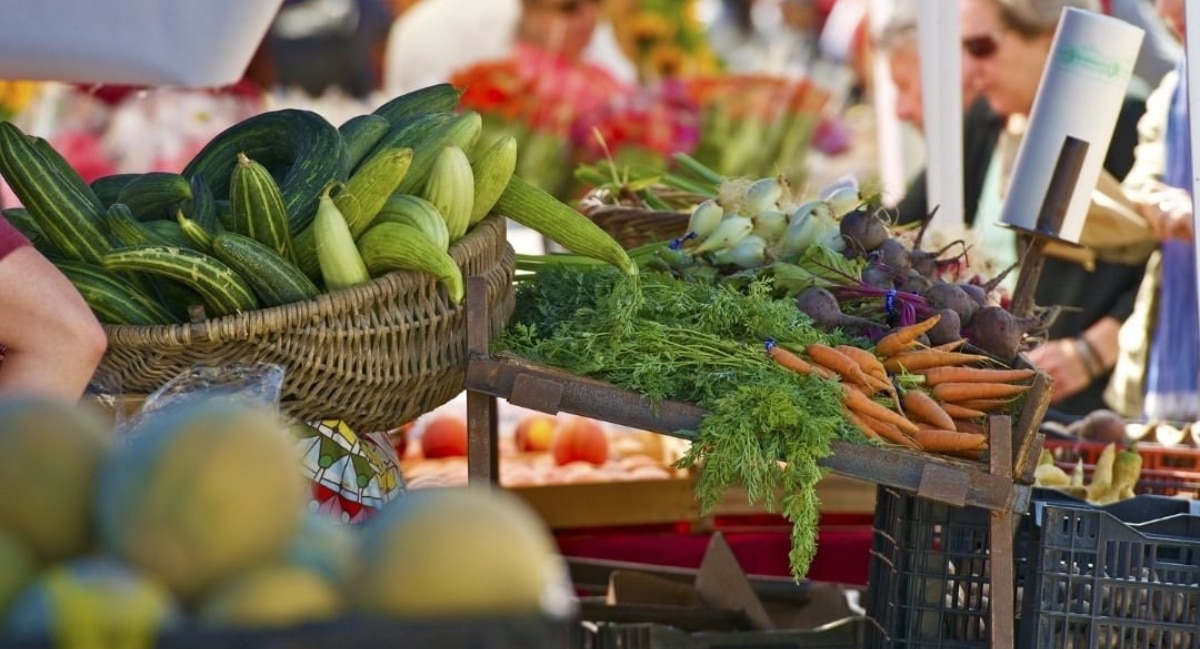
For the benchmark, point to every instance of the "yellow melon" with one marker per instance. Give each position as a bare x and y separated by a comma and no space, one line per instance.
202,493
459,552
272,596
50,455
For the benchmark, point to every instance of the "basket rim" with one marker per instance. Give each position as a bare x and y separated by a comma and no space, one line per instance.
483,233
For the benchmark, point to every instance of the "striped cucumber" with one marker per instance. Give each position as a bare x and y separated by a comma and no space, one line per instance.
201,239
128,231
534,208
19,218
396,246
419,213
492,169
69,218
359,202
155,195
438,98
171,232
462,132
107,188
305,150
451,189
360,134
274,279
224,291
258,207
113,299
224,214
203,208
67,174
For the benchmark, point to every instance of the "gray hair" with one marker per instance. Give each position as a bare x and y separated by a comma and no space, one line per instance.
899,30
1031,18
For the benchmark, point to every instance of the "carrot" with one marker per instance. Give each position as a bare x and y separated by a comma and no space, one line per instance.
951,346
863,405
920,407
861,425
969,427
959,392
889,432
960,412
789,360
941,441
985,405
937,375
973,454
866,361
838,362
904,337
929,358
822,371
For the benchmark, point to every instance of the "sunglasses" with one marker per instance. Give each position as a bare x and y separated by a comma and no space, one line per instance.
981,47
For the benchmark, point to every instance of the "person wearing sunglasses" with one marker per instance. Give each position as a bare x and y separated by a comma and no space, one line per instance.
1006,44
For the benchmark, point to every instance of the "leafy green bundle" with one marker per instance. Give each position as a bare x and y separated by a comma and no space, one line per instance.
695,342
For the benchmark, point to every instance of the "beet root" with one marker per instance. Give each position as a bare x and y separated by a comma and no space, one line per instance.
951,296
895,256
947,330
863,230
914,282
977,294
998,332
879,276
821,305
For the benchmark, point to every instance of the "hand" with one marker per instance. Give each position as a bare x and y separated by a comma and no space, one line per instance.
1168,213
1061,360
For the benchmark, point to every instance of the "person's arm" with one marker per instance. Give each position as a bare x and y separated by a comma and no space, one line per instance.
1150,155
53,341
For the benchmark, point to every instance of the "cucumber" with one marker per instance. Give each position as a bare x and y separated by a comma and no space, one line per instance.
70,218
462,132
395,246
156,195
359,135
113,299
438,98
170,232
303,149
67,174
224,291
203,208
274,279
341,265
128,231
258,207
107,188
201,239
224,214
419,213
19,218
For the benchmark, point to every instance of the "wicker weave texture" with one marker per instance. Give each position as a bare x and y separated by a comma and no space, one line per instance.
374,356
633,227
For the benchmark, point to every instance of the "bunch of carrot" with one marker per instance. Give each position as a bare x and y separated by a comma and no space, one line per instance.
930,398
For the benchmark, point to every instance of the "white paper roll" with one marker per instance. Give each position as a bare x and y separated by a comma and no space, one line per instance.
1082,89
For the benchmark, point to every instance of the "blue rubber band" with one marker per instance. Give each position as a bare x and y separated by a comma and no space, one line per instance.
889,302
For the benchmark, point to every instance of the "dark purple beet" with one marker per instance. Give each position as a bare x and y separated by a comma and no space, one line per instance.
977,294
914,282
951,296
879,276
821,305
947,330
863,230
998,332
896,256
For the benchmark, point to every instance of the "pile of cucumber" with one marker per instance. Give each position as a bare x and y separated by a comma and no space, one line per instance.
281,207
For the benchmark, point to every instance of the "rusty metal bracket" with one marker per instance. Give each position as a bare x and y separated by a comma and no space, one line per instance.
536,393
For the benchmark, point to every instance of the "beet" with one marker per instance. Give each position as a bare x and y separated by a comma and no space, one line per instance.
821,305
998,332
951,296
879,276
914,282
896,256
947,330
863,230
977,294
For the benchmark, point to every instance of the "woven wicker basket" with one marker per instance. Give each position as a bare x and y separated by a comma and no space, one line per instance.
374,355
633,227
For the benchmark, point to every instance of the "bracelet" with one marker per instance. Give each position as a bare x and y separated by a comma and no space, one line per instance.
1091,360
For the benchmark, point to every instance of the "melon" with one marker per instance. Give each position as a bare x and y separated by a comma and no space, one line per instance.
459,552
17,568
204,491
50,455
324,546
271,596
90,602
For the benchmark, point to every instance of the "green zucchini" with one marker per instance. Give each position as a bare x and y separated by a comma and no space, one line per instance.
303,150
156,195
113,299
438,98
360,134
274,279
258,207
224,291
69,217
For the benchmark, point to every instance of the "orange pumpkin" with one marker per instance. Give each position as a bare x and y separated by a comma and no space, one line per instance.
444,436
535,433
579,439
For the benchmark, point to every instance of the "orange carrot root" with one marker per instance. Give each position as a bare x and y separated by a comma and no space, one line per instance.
959,412
904,337
866,361
861,425
789,360
987,406
960,392
942,441
863,405
920,407
951,346
969,427
939,375
925,359
890,433
838,362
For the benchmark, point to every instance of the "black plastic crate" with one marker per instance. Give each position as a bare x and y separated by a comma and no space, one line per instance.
843,634
930,568
1100,582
